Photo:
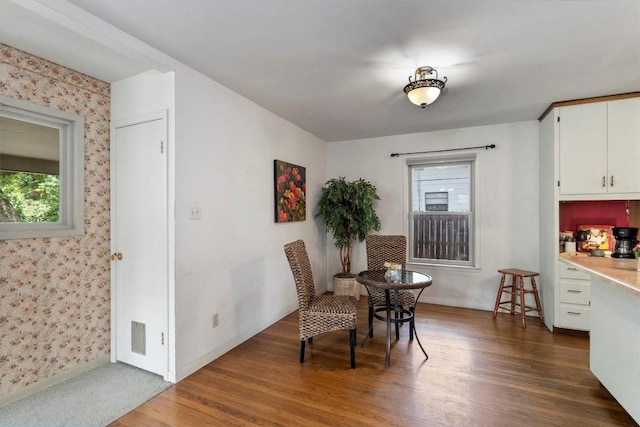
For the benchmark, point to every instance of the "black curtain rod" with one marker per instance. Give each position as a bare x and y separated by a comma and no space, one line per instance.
486,147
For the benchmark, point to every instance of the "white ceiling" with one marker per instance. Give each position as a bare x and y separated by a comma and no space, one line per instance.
337,67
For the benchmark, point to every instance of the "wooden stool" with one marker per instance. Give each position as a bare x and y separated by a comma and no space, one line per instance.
516,289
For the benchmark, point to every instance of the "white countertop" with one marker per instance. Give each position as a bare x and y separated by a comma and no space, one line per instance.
620,272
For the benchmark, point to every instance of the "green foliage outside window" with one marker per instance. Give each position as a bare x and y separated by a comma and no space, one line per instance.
29,197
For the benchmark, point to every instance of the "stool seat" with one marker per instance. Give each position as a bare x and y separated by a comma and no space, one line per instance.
518,272
517,292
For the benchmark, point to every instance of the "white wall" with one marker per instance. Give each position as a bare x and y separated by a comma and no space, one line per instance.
508,203
232,261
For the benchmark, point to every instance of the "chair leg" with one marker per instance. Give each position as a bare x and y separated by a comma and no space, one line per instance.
523,306
397,327
352,345
514,289
401,307
302,343
537,298
499,297
310,340
370,320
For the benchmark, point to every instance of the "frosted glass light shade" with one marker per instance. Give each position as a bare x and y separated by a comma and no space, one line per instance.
424,96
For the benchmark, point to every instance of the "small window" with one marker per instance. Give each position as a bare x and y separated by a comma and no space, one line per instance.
441,211
437,201
41,171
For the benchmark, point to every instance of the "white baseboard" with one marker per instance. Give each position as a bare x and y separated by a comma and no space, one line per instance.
48,382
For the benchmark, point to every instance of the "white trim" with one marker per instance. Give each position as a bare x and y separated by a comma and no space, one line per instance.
170,373
71,129
474,262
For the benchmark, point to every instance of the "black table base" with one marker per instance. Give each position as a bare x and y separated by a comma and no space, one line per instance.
396,314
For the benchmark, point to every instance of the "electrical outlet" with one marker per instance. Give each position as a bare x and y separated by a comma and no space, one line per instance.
214,320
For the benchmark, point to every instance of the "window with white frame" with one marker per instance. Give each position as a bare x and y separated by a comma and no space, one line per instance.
441,210
41,171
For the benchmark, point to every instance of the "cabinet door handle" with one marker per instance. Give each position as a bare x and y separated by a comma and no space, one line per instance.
574,313
604,181
574,291
611,181
572,269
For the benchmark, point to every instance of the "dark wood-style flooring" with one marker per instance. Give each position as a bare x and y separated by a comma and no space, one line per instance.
480,372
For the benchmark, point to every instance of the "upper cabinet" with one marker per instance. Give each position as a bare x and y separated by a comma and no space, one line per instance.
599,148
582,131
623,145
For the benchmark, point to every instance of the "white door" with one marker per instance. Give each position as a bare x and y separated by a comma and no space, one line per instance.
139,245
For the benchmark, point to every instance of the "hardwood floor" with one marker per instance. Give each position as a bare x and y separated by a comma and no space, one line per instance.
480,372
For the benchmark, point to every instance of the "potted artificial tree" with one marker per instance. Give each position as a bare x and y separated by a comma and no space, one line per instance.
347,210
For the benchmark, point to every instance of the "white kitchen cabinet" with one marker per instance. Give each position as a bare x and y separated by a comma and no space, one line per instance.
574,317
623,146
576,292
583,148
569,272
574,298
599,149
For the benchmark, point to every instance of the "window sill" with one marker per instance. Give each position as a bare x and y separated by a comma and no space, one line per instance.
431,266
31,231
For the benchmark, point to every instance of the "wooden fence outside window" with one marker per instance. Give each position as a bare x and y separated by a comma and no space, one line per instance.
442,235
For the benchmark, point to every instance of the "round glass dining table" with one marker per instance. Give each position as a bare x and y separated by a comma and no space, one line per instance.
393,312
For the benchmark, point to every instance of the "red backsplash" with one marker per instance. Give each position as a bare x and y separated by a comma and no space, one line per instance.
607,212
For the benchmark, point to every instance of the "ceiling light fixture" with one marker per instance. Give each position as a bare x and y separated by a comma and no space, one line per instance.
424,89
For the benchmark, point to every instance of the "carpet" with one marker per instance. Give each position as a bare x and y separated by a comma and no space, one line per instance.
94,398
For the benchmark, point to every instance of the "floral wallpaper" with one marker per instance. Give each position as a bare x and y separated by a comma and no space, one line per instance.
54,293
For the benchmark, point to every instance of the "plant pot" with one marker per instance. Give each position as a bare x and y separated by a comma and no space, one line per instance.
346,284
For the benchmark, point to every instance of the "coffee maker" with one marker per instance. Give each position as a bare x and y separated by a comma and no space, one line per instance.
582,239
626,240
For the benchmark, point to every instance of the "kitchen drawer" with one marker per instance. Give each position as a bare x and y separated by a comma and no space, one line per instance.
574,317
575,291
569,272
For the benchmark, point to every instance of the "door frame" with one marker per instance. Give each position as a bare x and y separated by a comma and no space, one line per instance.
169,374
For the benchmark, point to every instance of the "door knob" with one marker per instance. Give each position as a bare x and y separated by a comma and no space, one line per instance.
116,257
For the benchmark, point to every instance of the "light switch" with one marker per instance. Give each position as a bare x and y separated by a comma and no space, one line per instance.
195,212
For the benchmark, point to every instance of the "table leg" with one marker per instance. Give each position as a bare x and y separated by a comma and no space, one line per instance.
413,325
387,359
415,333
395,312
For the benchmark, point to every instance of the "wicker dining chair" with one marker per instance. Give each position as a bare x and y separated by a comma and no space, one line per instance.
319,313
381,249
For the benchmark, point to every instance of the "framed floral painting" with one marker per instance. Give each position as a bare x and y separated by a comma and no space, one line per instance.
290,183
